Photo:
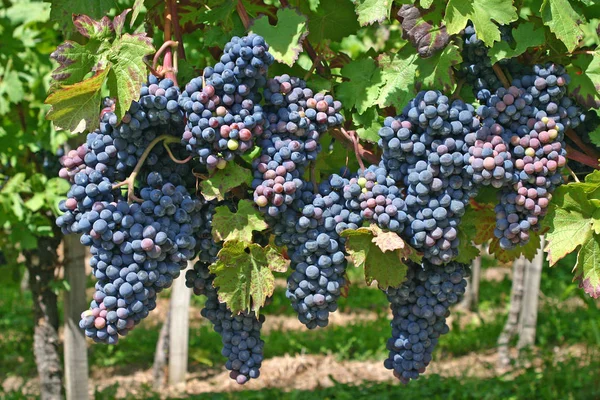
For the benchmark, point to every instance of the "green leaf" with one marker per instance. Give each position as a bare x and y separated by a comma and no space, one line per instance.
569,220
285,38
62,11
333,20
587,269
333,157
244,275
528,251
484,14
314,5
585,79
75,107
364,78
11,86
223,180
466,250
398,74
436,72
478,222
563,21
368,125
370,11
128,70
237,226
36,202
425,4
137,7
365,248
526,35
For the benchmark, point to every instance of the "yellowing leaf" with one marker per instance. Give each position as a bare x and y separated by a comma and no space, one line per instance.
569,220
370,11
223,180
387,268
244,275
75,107
238,226
587,269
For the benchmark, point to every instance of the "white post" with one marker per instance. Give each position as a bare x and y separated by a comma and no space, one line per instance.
529,310
179,330
76,358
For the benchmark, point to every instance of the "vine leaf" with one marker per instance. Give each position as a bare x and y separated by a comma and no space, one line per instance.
75,107
483,13
478,222
528,251
587,269
526,35
368,125
363,77
333,20
107,55
63,10
370,11
244,274
563,21
570,221
128,70
436,72
398,73
418,27
237,226
585,79
223,180
137,7
285,38
367,247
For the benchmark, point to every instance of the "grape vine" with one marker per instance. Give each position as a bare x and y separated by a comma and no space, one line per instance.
197,174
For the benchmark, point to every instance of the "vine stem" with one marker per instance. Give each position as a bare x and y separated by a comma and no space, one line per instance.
354,138
313,178
345,139
168,69
243,14
130,181
572,174
582,158
586,149
159,52
172,156
459,85
500,74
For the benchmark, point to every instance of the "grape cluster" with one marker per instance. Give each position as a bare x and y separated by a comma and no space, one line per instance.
112,151
241,70
296,119
425,148
547,86
375,195
310,230
240,333
137,250
216,131
420,307
539,157
476,67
